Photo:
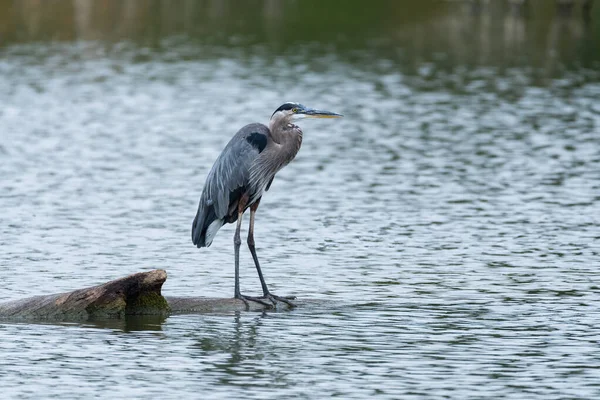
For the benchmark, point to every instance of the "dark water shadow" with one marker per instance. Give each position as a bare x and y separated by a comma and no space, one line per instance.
128,324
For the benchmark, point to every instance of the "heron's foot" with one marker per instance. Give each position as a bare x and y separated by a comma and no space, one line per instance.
260,300
285,299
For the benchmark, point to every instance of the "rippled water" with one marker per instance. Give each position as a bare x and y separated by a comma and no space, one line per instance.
449,223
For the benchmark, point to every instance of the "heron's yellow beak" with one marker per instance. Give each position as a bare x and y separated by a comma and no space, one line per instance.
312,113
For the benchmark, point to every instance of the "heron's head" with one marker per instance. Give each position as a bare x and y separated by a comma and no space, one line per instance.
289,112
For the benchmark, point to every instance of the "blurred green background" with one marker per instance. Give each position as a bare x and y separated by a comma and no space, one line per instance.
546,35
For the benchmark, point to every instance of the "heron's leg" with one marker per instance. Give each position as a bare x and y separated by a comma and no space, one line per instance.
236,246
251,246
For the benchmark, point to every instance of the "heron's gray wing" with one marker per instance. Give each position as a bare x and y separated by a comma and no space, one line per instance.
231,170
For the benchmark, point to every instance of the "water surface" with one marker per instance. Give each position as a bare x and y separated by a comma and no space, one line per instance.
449,222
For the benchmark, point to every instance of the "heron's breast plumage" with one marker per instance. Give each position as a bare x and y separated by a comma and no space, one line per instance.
271,160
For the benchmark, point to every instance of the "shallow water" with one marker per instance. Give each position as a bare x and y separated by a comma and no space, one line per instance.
450,222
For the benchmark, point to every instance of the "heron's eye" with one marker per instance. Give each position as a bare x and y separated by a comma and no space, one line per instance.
294,110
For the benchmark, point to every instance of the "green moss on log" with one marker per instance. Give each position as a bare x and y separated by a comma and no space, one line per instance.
149,303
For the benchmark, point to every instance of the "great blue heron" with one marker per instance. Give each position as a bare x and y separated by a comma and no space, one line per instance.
241,174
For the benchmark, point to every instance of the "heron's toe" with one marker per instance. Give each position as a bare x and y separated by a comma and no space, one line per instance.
285,299
259,300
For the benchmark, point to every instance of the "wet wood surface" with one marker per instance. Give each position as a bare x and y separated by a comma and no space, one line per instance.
137,294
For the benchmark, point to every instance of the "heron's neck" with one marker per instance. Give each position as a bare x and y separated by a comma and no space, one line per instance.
279,124
287,139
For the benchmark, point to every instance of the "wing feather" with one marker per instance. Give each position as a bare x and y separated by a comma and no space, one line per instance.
231,170
227,180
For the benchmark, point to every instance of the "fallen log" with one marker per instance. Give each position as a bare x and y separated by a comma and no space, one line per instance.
137,294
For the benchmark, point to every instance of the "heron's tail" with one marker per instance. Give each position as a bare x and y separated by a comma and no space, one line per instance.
205,226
